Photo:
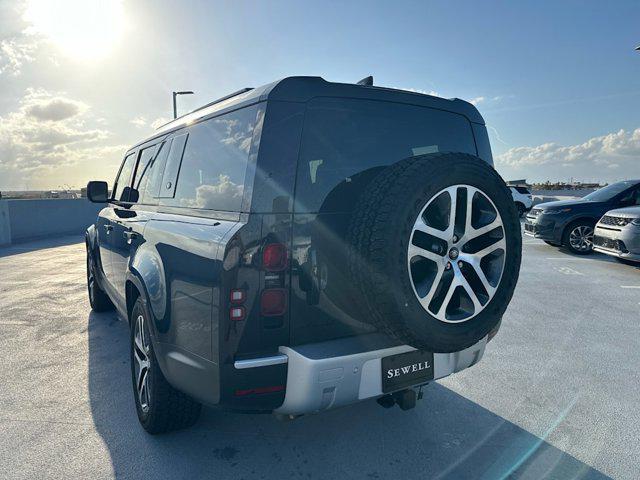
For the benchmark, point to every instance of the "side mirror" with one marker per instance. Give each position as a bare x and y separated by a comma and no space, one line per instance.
97,192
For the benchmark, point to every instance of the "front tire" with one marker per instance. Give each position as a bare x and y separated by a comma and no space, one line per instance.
578,237
521,209
160,407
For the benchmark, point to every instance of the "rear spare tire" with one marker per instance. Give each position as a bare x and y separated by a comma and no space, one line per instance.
435,250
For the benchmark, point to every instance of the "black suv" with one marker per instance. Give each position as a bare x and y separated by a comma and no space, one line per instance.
570,223
301,246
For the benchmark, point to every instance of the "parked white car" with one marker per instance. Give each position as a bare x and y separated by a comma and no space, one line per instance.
618,233
523,199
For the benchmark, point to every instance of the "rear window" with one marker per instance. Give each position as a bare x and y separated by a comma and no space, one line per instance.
346,141
523,190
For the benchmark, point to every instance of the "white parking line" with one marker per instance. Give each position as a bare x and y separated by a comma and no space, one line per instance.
629,286
567,258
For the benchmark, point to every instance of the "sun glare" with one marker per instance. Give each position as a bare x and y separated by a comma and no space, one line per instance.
81,29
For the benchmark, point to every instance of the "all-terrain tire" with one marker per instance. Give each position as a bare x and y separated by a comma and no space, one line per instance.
380,233
165,409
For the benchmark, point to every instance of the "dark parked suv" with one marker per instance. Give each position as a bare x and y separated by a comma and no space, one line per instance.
570,223
302,246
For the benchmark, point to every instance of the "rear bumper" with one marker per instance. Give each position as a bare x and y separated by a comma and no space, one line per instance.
340,372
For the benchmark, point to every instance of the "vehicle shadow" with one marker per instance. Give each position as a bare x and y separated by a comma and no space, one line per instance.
446,436
39,244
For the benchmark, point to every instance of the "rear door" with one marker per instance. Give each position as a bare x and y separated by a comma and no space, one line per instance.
345,144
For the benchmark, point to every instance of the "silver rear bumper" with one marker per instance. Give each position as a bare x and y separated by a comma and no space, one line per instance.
339,372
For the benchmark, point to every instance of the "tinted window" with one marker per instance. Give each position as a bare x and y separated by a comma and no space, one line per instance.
631,198
143,172
176,149
607,193
523,190
150,188
214,162
120,190
343,138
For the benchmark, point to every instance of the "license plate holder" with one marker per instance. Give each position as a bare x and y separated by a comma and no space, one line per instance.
406,369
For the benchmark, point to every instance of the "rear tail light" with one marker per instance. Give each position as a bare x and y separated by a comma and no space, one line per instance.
274,257
237,297
273,302
237,313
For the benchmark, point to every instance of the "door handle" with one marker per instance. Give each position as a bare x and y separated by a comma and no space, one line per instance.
129,235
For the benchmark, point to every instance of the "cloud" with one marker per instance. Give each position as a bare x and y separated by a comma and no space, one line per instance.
618,152
417,90
55,109
477,100
17,45
49,133
158,122
139,122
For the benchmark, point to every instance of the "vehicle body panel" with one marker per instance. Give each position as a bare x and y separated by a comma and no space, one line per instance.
616,235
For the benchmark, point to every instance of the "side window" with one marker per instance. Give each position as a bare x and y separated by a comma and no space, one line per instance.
631,198
150,188
214,163
122,185
175,151
143,171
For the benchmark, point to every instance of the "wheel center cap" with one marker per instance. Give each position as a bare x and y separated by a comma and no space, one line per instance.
453,253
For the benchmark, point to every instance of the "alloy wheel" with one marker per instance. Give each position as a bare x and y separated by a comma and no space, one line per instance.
581,238
142,365
91,280
456,253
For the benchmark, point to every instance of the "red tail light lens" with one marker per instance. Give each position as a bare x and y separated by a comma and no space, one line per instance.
252,391
237,297
273,302
274,257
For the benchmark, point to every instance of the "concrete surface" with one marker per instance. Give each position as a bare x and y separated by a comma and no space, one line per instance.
556,395
24,220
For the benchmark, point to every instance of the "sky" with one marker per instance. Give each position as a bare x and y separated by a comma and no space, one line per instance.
558,83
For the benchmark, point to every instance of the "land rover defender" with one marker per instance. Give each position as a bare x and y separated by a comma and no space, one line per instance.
302,246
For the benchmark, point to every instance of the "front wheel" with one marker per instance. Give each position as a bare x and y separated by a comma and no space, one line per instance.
160,407
578,237
521,209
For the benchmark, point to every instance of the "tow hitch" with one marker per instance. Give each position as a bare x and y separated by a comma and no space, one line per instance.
405,399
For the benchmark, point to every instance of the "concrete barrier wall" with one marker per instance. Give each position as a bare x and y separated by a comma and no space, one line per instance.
23,220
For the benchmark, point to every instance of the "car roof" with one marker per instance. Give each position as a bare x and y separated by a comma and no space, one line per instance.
303,89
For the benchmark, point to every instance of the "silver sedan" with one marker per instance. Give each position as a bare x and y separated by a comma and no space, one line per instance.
618,233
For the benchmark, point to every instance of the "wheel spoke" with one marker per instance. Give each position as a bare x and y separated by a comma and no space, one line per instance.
447,298
497,245
415,251
426,300
472,294
421,226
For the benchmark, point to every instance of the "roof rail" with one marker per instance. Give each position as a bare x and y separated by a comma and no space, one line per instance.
221,99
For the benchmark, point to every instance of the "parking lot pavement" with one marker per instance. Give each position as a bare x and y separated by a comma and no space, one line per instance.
555,396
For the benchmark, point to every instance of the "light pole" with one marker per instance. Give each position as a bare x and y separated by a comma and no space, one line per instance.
175,94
